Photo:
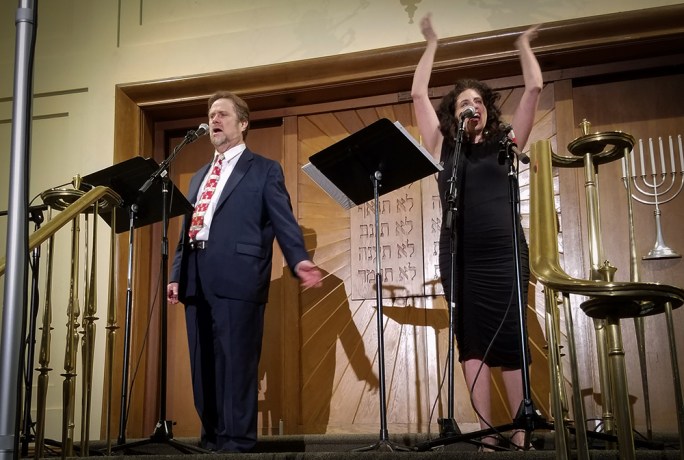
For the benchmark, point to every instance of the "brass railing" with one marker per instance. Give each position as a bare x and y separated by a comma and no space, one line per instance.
72,203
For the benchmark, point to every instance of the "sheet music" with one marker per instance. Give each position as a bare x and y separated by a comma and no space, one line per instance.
327,186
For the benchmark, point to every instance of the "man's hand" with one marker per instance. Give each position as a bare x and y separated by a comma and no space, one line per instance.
309,274
172,293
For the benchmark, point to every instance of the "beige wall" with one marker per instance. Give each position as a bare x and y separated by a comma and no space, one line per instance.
85,47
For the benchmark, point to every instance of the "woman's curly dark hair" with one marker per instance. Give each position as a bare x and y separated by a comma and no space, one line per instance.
447,108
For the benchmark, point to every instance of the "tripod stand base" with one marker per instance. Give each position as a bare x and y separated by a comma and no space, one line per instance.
528,419
163,434
383,445
472,438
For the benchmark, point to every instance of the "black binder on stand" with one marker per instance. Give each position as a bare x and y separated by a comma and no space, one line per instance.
345,170
378,159
126,178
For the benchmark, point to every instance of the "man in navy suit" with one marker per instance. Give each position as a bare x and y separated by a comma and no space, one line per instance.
222,269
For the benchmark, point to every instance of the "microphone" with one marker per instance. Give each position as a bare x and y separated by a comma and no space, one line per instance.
510,142
468,112
192,136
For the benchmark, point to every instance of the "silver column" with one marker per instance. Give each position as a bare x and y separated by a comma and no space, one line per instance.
14,304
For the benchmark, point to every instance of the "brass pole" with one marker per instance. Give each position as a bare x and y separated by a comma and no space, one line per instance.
618,377
89,333
558,403
582,443
111,328
608,414
616,355
44,354
596,257
675,375
634,275
69,384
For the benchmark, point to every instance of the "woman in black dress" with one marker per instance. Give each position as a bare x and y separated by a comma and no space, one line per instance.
486,320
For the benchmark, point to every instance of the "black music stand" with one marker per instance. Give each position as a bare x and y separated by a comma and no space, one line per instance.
352,171
126,178
148,201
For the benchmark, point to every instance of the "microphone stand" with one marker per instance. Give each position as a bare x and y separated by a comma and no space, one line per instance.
163,433
527,417
448,426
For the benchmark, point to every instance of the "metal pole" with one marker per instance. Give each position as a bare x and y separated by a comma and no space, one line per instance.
16,273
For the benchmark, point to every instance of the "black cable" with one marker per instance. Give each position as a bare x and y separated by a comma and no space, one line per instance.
486,353
142,348
479,370
147,333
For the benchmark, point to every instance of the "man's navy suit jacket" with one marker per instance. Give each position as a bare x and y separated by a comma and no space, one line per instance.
254,207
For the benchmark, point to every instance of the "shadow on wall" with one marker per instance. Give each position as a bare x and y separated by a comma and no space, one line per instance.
317,387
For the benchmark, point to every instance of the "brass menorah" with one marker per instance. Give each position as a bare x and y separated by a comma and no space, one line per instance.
657,187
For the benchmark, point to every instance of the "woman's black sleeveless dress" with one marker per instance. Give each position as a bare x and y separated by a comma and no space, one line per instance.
486,319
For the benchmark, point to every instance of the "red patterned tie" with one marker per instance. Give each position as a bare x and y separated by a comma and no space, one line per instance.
204,199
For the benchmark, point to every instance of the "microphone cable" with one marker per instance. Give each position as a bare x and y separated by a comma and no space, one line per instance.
142,349
146,336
